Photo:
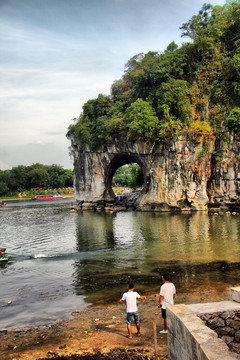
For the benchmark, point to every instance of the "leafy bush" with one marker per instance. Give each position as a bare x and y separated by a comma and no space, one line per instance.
4,189
233,120
142,121
136,179
201,131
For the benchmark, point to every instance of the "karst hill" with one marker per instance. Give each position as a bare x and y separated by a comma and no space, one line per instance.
177,115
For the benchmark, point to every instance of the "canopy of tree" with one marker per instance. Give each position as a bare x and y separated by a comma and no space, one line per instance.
194,89
34,176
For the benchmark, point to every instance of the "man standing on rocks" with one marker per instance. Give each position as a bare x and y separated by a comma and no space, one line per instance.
167,296
131,301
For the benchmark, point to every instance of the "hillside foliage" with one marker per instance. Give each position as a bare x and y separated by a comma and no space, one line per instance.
193,89
21,178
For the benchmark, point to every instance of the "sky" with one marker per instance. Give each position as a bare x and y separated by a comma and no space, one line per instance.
57,54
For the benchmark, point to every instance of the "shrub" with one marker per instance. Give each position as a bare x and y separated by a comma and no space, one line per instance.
233,120
201,131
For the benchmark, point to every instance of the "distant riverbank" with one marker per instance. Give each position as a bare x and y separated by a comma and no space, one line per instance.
66,193
29,198
28,195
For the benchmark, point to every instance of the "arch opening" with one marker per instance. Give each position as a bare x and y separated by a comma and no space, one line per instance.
129,166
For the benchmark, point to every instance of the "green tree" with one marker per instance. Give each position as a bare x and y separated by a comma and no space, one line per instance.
19,174
4,189
8,177
38,177
172,47
233,120
176,96
130,175
68,176
91,126
198,25
57,176
121,176
142,121
136,179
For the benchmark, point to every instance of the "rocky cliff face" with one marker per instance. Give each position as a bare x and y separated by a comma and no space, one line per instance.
177,176
224,182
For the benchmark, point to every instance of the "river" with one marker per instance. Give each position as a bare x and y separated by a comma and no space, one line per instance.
67,261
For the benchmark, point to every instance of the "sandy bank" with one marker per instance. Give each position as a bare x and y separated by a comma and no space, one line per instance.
98,333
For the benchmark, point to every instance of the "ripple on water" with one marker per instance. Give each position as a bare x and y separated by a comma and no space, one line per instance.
74,261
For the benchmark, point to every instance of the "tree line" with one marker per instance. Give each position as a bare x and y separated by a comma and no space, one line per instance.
193,89
21,178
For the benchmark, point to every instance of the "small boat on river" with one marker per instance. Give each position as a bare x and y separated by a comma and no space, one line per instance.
47,197
3,256
3,204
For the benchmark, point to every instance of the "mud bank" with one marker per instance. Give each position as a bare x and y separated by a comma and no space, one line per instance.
99,333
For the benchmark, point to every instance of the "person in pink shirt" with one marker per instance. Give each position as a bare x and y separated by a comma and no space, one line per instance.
130,298
166,297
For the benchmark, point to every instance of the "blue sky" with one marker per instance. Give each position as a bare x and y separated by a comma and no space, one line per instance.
57,54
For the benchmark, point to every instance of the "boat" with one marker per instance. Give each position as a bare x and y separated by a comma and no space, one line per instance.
47,197
3,256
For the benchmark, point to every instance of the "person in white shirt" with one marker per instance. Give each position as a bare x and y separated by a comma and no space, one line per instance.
132,311
166,297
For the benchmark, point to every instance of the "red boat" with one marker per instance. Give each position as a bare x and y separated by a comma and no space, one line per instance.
47,197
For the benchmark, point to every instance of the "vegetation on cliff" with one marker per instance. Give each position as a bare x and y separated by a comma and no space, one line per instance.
194,89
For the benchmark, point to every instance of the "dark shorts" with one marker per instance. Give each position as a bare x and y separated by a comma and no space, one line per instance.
164,314
129,317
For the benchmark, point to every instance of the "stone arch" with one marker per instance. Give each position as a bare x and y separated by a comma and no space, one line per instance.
175,174
116,162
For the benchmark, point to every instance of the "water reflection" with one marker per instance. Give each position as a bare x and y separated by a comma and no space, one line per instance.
195,248
94,231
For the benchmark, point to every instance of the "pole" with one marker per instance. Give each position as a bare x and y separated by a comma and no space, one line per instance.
155,338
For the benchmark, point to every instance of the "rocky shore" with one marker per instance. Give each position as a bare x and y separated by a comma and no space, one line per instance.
99,333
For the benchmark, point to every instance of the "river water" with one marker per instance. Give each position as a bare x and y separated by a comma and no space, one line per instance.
67,261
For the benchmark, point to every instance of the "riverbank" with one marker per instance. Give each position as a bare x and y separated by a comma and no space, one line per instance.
29,198
29,194
99,333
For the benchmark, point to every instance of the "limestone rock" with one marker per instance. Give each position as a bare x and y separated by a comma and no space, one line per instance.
178,176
